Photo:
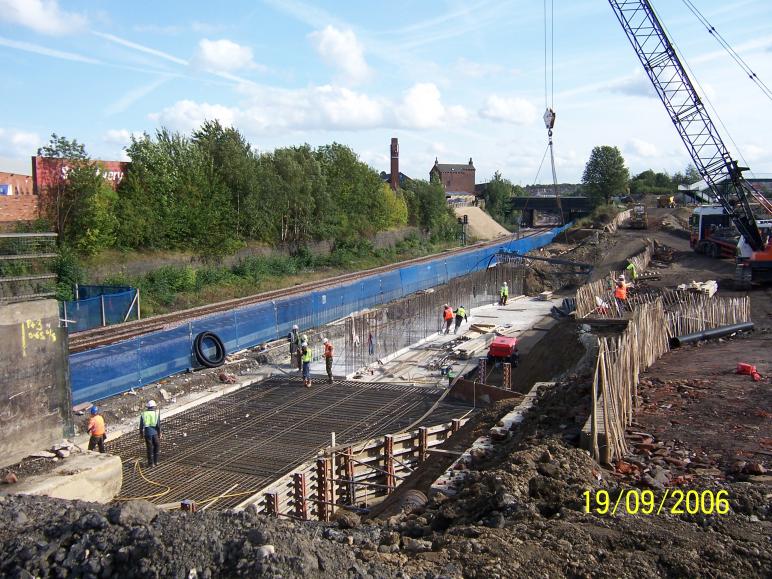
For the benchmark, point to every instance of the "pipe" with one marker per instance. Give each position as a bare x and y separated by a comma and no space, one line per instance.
712,333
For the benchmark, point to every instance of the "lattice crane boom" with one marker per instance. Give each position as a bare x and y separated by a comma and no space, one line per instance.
690,117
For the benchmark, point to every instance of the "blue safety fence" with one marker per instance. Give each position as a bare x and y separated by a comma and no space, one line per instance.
99,305
116,368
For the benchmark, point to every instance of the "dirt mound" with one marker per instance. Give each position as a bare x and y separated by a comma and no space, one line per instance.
481,225
47,537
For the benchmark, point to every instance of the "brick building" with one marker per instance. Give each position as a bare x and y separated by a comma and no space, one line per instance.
47,170
455,178
17,200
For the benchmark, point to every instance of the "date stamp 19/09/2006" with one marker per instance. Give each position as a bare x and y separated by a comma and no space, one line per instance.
645,502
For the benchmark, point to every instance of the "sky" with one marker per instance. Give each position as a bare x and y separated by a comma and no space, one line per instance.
451,79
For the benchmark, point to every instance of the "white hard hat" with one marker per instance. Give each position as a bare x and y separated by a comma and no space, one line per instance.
505,283
304,343
325,340
151,404
294,326
621,277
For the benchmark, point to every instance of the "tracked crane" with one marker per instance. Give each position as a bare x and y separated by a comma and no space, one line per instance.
711,157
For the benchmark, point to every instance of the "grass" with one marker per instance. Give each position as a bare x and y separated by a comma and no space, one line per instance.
175,287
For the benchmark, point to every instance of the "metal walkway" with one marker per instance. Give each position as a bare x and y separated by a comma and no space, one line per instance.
240,442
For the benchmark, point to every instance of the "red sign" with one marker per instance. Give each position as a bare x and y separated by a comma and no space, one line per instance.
47,171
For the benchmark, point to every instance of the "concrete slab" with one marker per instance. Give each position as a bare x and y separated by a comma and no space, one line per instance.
87,476
421,363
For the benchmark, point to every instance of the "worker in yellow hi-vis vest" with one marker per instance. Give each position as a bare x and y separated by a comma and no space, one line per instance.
150,430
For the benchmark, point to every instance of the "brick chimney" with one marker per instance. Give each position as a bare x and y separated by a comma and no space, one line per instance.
394,179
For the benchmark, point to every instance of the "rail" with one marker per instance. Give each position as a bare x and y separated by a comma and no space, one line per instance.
93,338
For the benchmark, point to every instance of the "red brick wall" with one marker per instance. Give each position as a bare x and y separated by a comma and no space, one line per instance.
22,205
18,208
46,171
457,181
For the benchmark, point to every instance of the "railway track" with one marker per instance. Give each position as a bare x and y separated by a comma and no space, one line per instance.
103,336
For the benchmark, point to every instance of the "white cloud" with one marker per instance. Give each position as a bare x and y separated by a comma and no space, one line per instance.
223,56
422,108
120,137
187,115
341,50
514,110
266,110
43,16
18,144
641,148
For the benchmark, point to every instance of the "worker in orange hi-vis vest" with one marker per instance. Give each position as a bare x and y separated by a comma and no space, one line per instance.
328,354
447,315
97,430
620,293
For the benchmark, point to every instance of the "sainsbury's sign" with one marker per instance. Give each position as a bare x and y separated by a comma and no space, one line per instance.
47,171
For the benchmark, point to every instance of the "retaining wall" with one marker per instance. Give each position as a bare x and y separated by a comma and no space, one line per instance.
119,367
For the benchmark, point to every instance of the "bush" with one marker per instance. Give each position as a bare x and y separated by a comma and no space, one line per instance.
68,272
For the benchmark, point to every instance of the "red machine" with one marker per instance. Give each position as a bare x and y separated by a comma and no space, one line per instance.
503,349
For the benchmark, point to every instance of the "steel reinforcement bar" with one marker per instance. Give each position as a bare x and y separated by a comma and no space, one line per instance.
350,477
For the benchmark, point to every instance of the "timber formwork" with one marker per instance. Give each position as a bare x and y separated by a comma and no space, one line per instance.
224,452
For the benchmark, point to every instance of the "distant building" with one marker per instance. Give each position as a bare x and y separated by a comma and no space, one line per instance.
17,201
395,178
456,179
48,170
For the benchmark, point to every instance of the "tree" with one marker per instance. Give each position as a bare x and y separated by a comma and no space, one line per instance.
58,200
432,213
232,159
650,183
76,199
605,174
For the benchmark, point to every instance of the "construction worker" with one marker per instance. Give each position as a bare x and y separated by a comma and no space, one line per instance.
460,317
150,430
620,294
447,315
294,344
97,430
305,355
632,271
503,294
328,353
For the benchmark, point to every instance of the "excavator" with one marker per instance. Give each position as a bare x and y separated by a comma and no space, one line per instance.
711,157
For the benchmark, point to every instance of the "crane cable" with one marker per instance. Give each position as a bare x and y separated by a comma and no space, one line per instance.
731,51
549,103
703,94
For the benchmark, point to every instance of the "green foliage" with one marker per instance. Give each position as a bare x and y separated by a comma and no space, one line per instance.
605,175
431,211
651,183
498,200
211,193
68,271
73,201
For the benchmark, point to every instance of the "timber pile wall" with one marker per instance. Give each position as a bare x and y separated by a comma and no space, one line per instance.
353,477
621,360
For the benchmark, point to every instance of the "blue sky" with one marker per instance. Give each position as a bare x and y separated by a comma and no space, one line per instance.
451,79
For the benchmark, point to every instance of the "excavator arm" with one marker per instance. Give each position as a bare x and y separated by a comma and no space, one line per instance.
690,118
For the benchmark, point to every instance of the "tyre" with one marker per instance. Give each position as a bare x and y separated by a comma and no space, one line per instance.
201,355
